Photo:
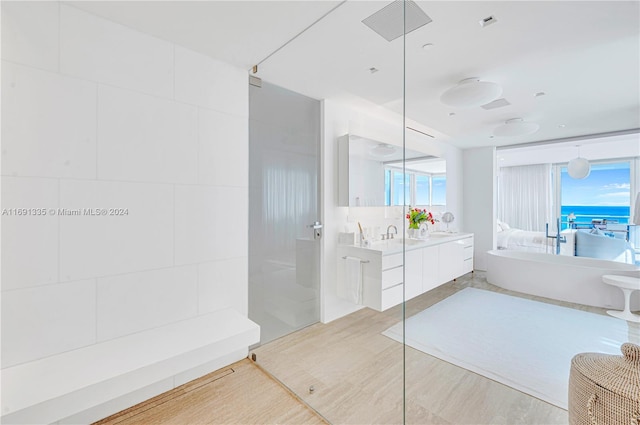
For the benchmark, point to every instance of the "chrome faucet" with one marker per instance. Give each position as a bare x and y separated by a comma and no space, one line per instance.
389,235
559,239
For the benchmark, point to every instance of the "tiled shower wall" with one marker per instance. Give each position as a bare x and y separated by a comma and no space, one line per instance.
96,115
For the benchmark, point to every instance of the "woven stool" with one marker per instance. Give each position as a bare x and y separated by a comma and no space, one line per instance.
605,389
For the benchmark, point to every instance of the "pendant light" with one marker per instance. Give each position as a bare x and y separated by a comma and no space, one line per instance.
579,168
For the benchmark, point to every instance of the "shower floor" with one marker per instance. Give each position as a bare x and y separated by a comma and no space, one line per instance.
239,394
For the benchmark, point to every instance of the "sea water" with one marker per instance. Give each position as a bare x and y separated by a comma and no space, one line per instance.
585,214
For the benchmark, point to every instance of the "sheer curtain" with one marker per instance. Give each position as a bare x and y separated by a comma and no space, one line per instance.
525,199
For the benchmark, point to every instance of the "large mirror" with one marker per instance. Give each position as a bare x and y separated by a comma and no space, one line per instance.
371,175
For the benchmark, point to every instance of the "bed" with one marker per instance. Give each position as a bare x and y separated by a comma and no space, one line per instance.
591,243
529,241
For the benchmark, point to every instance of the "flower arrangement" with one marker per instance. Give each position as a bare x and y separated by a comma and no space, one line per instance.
417,216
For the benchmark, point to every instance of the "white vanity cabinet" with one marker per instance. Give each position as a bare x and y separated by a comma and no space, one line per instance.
456,259
391,288
386,280
430,267
413,273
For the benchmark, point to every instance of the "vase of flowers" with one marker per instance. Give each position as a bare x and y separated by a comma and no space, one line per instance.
416,218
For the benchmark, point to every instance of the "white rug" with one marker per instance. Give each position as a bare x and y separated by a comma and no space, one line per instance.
524,344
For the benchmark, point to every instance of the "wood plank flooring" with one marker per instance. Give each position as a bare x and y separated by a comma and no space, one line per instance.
239,394
357,375
358,378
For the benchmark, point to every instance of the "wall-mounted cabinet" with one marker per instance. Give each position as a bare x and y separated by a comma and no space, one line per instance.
365,177
428,264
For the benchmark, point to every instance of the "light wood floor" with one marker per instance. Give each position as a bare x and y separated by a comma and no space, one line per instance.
358,373
239,394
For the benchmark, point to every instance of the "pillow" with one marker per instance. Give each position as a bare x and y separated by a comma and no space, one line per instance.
505,226
499,226
596,231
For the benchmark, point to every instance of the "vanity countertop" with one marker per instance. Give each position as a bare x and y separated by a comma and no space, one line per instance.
394,246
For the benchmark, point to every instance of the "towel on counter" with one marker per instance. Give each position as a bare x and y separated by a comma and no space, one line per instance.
351,290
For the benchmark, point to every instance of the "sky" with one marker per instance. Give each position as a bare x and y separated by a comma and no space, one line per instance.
607,185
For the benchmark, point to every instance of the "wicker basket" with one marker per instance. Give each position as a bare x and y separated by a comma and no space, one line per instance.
605,389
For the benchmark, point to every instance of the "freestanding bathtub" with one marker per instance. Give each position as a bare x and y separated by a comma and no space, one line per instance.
560,277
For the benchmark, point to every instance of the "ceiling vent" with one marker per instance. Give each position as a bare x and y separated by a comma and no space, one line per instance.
388,21
498,103
488,21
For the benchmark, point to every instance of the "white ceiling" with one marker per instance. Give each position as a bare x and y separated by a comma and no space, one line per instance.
584,55
593,149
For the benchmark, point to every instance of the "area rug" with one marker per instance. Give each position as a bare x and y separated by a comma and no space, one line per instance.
527,345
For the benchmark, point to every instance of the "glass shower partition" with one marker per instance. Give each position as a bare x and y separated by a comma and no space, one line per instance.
350,82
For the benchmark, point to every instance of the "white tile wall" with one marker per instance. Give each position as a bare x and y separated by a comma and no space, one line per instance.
206,82
95,246
223,284
145,138
103,128
29,242
210,223
217,133
49,129
133,302
30,33
37,322
99,50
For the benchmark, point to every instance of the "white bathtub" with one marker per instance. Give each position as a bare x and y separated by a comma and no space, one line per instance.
574,279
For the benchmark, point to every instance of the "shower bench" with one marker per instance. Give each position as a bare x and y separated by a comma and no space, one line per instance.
89,383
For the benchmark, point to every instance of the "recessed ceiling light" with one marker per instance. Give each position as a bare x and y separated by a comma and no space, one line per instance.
451,114
427,46
562,125
540,93
373,70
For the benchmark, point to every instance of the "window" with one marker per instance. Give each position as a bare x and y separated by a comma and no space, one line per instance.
423,192
400,185
439,190
604,195
421,189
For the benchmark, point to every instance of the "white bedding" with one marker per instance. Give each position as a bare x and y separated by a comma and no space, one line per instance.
524,240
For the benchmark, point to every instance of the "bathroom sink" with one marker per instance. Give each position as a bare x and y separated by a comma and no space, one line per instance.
394,243
441,235
413,241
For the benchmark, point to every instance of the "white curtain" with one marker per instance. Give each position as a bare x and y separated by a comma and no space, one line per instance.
525,198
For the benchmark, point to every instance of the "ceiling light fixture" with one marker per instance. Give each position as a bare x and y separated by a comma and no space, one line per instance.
470,93
515,127
579,168
382,150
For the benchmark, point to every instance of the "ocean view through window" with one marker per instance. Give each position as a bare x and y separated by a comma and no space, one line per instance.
605,195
